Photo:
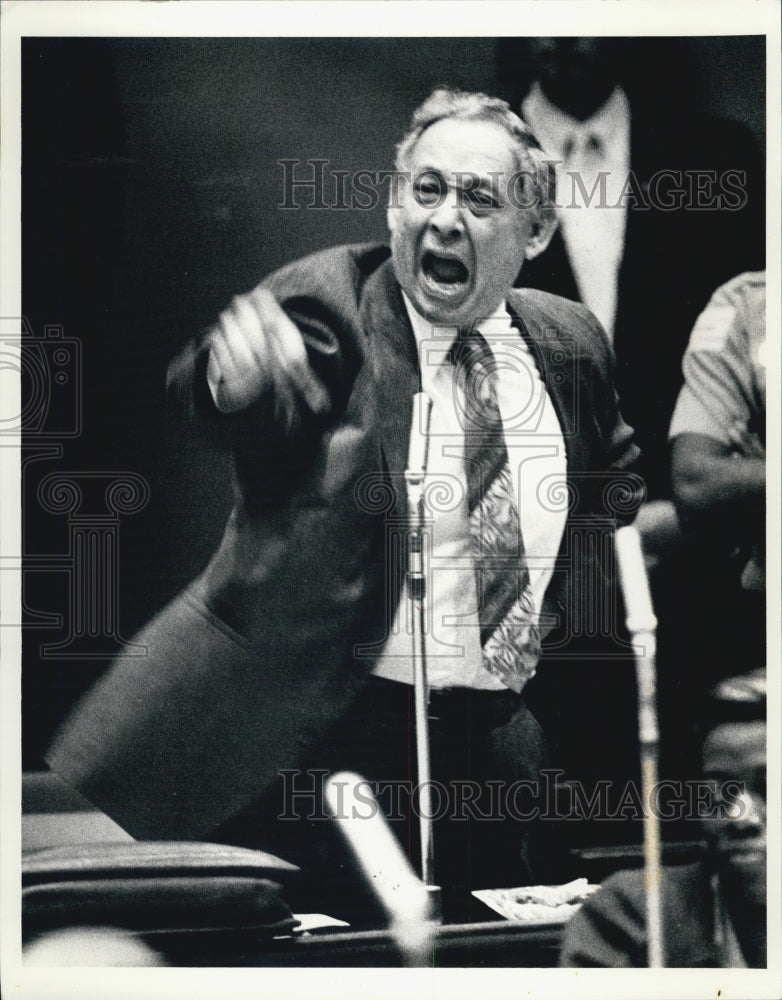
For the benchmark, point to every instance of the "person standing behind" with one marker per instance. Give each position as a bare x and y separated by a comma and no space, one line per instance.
679,209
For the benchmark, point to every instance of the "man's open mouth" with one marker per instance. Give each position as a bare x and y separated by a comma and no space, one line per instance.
446,275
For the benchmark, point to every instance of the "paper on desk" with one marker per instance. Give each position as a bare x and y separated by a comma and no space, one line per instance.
537,904
316,922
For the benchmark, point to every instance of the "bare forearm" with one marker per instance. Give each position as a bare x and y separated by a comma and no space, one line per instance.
709,480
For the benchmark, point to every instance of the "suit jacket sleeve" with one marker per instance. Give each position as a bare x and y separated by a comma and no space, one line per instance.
246,669
274,447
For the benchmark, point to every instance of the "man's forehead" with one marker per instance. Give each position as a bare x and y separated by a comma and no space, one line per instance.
456,146
735,747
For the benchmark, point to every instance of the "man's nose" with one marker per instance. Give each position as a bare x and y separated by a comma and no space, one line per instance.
747,816
446,219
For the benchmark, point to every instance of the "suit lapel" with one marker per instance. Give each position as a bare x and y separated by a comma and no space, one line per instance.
563,373
392,352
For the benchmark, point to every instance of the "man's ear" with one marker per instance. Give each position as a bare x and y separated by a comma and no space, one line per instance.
545,227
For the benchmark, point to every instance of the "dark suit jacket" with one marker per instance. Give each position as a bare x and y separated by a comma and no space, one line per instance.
609,930
252,662
673,260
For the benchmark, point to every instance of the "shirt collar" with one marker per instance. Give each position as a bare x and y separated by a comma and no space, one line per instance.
424,330
553,127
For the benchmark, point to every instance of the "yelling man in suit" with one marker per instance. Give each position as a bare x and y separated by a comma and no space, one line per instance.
293,647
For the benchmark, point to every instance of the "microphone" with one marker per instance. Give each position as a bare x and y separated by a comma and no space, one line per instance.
384,864
635,582
418,453
641,623
415,476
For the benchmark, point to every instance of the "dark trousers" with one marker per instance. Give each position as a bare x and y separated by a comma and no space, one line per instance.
487,751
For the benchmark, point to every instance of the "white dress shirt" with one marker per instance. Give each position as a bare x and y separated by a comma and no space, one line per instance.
536,453
593,162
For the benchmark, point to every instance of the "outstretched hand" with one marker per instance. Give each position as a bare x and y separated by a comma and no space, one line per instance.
255,348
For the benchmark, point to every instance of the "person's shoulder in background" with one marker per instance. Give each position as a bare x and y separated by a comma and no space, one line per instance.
609,930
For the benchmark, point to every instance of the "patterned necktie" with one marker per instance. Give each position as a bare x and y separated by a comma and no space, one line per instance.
509,631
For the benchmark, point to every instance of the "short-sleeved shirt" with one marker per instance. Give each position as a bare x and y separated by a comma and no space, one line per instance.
724,392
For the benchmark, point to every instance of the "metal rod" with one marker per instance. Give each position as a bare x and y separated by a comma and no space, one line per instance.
417,550
642,625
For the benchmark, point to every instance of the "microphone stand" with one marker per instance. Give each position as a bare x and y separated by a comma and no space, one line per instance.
642,625
416,590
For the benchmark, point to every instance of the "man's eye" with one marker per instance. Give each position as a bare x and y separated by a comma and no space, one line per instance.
428,191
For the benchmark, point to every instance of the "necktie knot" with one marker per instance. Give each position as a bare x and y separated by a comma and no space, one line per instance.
582,148
469,343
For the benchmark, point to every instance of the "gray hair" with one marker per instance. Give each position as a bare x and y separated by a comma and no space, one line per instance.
533,165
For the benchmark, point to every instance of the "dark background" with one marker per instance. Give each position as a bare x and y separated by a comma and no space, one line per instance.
150,195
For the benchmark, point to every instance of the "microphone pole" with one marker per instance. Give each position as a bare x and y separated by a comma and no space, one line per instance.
416,591
642,625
